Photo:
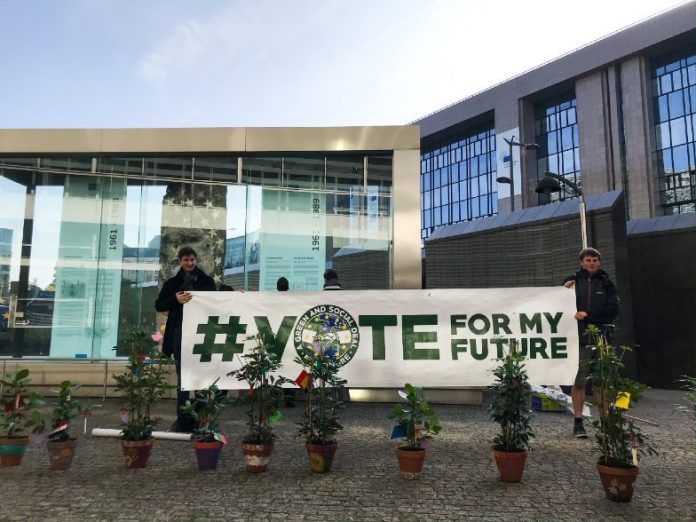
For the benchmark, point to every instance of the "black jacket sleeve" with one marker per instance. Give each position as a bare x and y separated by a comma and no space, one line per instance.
166,300
610,310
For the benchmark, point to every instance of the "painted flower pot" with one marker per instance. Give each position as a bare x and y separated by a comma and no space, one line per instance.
136,452
256,457
410,462
321,456
207,454
618,482
60,454
510,464
12,450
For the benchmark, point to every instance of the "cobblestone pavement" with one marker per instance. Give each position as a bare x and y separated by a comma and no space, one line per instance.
459,481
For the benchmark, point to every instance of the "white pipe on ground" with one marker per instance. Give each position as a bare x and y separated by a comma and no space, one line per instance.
160,435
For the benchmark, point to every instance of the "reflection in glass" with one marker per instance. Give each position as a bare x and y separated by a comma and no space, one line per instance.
85,245
675,102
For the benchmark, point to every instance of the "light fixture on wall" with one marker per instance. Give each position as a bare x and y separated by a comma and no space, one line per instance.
511,179
551,182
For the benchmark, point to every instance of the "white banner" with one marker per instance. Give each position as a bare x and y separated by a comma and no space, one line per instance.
385,338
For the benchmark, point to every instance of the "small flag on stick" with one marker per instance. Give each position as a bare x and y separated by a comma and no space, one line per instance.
623,400
398,431
303,380
274,417
60,427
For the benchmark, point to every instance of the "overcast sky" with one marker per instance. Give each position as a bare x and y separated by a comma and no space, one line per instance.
209,63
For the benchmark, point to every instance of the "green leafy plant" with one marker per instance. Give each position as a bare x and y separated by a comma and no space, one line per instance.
265,389
67,407
205,410
615,433
19,412
510,406
689,384
319,424
143,382
416,416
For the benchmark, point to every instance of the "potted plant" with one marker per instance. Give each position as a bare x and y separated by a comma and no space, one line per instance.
143,381
323,387
61,446
18,415
510,407
260,402
620,440
416,422
205,410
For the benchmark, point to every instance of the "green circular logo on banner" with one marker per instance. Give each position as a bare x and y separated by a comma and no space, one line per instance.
327,328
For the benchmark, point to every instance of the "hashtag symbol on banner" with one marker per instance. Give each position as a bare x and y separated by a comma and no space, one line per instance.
210,330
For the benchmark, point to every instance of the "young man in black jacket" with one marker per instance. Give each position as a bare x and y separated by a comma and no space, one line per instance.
174,295
597,304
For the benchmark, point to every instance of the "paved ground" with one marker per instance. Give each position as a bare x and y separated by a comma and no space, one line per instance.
459,481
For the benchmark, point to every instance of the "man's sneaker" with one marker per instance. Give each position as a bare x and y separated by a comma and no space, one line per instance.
579,431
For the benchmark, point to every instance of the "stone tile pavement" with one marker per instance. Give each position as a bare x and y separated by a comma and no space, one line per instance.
459,481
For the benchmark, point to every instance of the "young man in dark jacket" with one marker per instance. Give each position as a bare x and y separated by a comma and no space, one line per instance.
597,304
174,295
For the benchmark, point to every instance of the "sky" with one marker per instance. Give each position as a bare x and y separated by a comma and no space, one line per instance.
215,63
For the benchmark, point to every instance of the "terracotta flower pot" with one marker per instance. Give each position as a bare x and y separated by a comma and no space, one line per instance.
12,450
510,464
410,462
256,457
321,456
136,452
207,454
618,482
60,454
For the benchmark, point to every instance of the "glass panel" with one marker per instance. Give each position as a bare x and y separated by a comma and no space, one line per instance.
568,167
222,169
303,173
80,164
678,131
676,80
444,177
346,173
379,173
662,135
173,168
666,84
675,101
86,267
680,159
261,171
661,109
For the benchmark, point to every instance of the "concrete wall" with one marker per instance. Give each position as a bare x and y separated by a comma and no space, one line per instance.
663,281
536,253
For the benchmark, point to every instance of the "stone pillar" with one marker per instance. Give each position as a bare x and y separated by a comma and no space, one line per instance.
640,182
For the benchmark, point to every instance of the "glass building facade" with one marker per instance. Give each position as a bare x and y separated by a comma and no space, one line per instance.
674,109
458,180
87,240
556,130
